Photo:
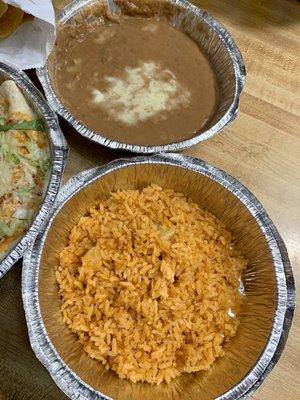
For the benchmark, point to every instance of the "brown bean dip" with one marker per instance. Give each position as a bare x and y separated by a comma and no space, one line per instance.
135,80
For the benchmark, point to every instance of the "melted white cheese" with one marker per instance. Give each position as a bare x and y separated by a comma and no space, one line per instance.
150,27
141,93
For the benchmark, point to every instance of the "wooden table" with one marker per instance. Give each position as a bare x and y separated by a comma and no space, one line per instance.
261,149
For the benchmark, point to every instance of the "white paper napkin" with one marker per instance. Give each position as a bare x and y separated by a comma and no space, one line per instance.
30,45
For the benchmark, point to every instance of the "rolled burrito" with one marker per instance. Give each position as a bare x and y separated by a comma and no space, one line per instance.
24,165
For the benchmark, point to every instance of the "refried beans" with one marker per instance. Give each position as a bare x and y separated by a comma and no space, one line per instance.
134,80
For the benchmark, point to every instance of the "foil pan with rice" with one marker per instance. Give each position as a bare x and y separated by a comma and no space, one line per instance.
113,283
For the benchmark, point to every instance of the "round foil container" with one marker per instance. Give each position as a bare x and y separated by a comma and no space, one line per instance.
267,310
59,150
205,30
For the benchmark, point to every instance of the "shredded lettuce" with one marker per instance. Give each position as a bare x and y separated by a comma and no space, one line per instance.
35,125
24,170
8,229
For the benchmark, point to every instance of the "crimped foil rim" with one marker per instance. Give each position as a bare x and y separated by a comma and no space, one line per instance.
229,116
72,385
59,152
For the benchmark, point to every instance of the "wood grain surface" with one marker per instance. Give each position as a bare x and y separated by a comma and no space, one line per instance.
261,149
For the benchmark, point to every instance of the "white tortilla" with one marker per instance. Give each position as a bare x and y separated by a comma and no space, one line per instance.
16,101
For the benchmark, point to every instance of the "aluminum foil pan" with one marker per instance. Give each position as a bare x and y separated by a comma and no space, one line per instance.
269,286
59,150
211,36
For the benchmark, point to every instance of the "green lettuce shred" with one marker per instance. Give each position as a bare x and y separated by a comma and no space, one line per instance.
35,125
